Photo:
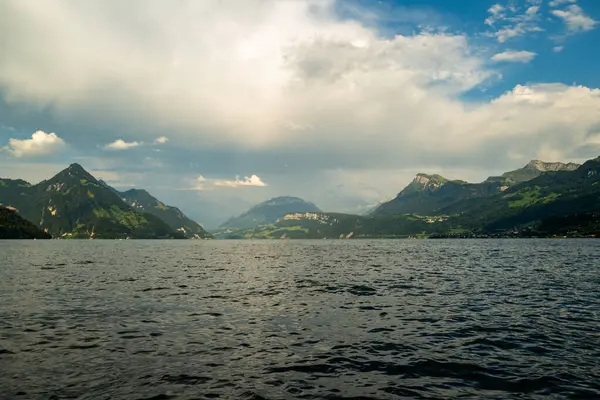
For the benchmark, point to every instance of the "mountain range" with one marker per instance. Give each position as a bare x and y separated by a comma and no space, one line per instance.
432,194
74,204
540,199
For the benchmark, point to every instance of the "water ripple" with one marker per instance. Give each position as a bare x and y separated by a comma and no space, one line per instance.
300,319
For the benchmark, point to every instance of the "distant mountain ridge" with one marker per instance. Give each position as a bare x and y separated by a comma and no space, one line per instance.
429,194
560,200
270,211
75,204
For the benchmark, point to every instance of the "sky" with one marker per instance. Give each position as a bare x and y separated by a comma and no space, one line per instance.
216,105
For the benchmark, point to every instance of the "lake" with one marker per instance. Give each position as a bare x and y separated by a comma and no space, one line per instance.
332,319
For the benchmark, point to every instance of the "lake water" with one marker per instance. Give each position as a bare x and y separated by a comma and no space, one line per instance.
326,319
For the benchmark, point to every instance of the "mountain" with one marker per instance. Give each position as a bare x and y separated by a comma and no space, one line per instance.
551,199
558,202
343,226
532,170
430,194
142,201
74,204
12,226
427,194
269,212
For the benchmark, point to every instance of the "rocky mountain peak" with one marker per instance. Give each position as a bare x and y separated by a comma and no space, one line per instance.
73,172
424,179
76,168
543,166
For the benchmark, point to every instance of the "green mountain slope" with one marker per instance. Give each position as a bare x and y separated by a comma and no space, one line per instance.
428,194
12,226
431,194
270,211
336,225
142,201
74,204
552,196
561,202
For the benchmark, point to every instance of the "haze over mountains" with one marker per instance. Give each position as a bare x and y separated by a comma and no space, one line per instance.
539,199
269,212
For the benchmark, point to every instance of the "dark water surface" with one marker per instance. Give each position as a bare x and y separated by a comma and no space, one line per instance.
299,319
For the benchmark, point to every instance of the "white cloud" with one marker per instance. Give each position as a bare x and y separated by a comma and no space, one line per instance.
514,56
41,143
252,180
120,144
496,9
512,21
496,12
181,86
575,19
557,3
200,183
558,49
288,80
298,127
161,140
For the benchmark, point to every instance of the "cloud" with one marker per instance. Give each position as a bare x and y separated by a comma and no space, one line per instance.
514,56
265,84
496,13
41,143
120,144
170,83
575,19
8,128
161,140
557,3
558,49
295,126
200,183
252,180
513,21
